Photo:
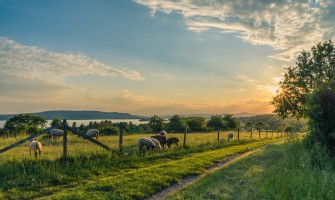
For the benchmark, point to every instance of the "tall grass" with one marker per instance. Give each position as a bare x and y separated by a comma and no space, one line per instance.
307,172
286,171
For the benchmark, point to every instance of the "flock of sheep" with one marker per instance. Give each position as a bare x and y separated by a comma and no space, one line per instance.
157,141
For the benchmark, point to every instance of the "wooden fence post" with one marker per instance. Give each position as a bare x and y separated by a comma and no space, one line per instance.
259,133
272,133
64,140
218,134
120,139
238,134
185,131
251,133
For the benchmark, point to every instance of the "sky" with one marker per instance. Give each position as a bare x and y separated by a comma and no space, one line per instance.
153,57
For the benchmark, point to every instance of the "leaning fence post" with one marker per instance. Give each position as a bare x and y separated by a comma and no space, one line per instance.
120,140
185,131
64,140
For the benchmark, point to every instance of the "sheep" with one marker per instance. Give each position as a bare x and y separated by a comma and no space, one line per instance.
93,133
160,138
156,142
35,146
147,143
56,133
230,136
171,141
163,133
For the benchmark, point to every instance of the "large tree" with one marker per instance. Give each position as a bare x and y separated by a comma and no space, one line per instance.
24,123
313,69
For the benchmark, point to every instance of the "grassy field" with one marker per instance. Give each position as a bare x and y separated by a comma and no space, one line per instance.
92,172
281,171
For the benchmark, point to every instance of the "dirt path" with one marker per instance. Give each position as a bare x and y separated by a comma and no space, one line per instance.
189,180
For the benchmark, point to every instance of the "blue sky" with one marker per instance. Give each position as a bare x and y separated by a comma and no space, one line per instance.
153,57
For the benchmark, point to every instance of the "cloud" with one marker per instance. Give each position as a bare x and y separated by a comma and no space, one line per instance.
39,64
286,25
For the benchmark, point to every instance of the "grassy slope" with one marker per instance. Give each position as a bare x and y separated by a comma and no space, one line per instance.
283,171
102,176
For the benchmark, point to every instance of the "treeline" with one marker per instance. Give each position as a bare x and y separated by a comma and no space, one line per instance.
26,124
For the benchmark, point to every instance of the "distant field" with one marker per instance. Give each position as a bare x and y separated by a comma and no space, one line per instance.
92,172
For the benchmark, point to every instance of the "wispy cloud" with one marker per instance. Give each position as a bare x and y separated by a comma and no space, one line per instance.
39,64
286,25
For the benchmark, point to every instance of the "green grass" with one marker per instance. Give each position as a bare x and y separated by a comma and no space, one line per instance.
285,171
92,172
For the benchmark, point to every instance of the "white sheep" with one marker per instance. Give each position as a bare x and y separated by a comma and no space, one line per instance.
230,136
93,133
145,142
56,133
156,142
35,146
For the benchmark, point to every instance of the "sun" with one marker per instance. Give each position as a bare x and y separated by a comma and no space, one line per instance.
274,89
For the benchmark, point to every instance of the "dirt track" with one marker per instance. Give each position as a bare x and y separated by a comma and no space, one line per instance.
189,180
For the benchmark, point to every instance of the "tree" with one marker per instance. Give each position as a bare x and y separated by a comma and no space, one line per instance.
196,124
249,126
156,123
216,122
232,122
56,122
176,124
259,125
312,70
321,112
24,123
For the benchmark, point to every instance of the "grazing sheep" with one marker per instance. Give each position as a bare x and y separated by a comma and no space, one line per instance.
56,133
171,141
156,142
35,146
230,136
163,133
160,138
145,142
93,133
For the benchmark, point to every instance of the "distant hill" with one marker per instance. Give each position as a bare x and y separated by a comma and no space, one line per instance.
78,115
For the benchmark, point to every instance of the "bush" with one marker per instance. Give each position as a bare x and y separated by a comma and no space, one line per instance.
321,112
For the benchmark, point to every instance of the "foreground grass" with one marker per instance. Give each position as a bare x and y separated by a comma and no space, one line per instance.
285,171
101,175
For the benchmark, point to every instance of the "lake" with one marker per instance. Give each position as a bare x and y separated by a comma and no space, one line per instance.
87,121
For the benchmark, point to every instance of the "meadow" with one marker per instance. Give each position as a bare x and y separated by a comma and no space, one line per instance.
280,171
93,172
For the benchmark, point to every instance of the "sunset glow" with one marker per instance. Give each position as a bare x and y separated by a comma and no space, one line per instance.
151,57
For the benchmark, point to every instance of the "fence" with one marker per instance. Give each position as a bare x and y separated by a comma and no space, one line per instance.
65,128
187,139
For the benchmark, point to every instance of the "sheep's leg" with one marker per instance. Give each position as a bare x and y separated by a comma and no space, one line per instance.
36,154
